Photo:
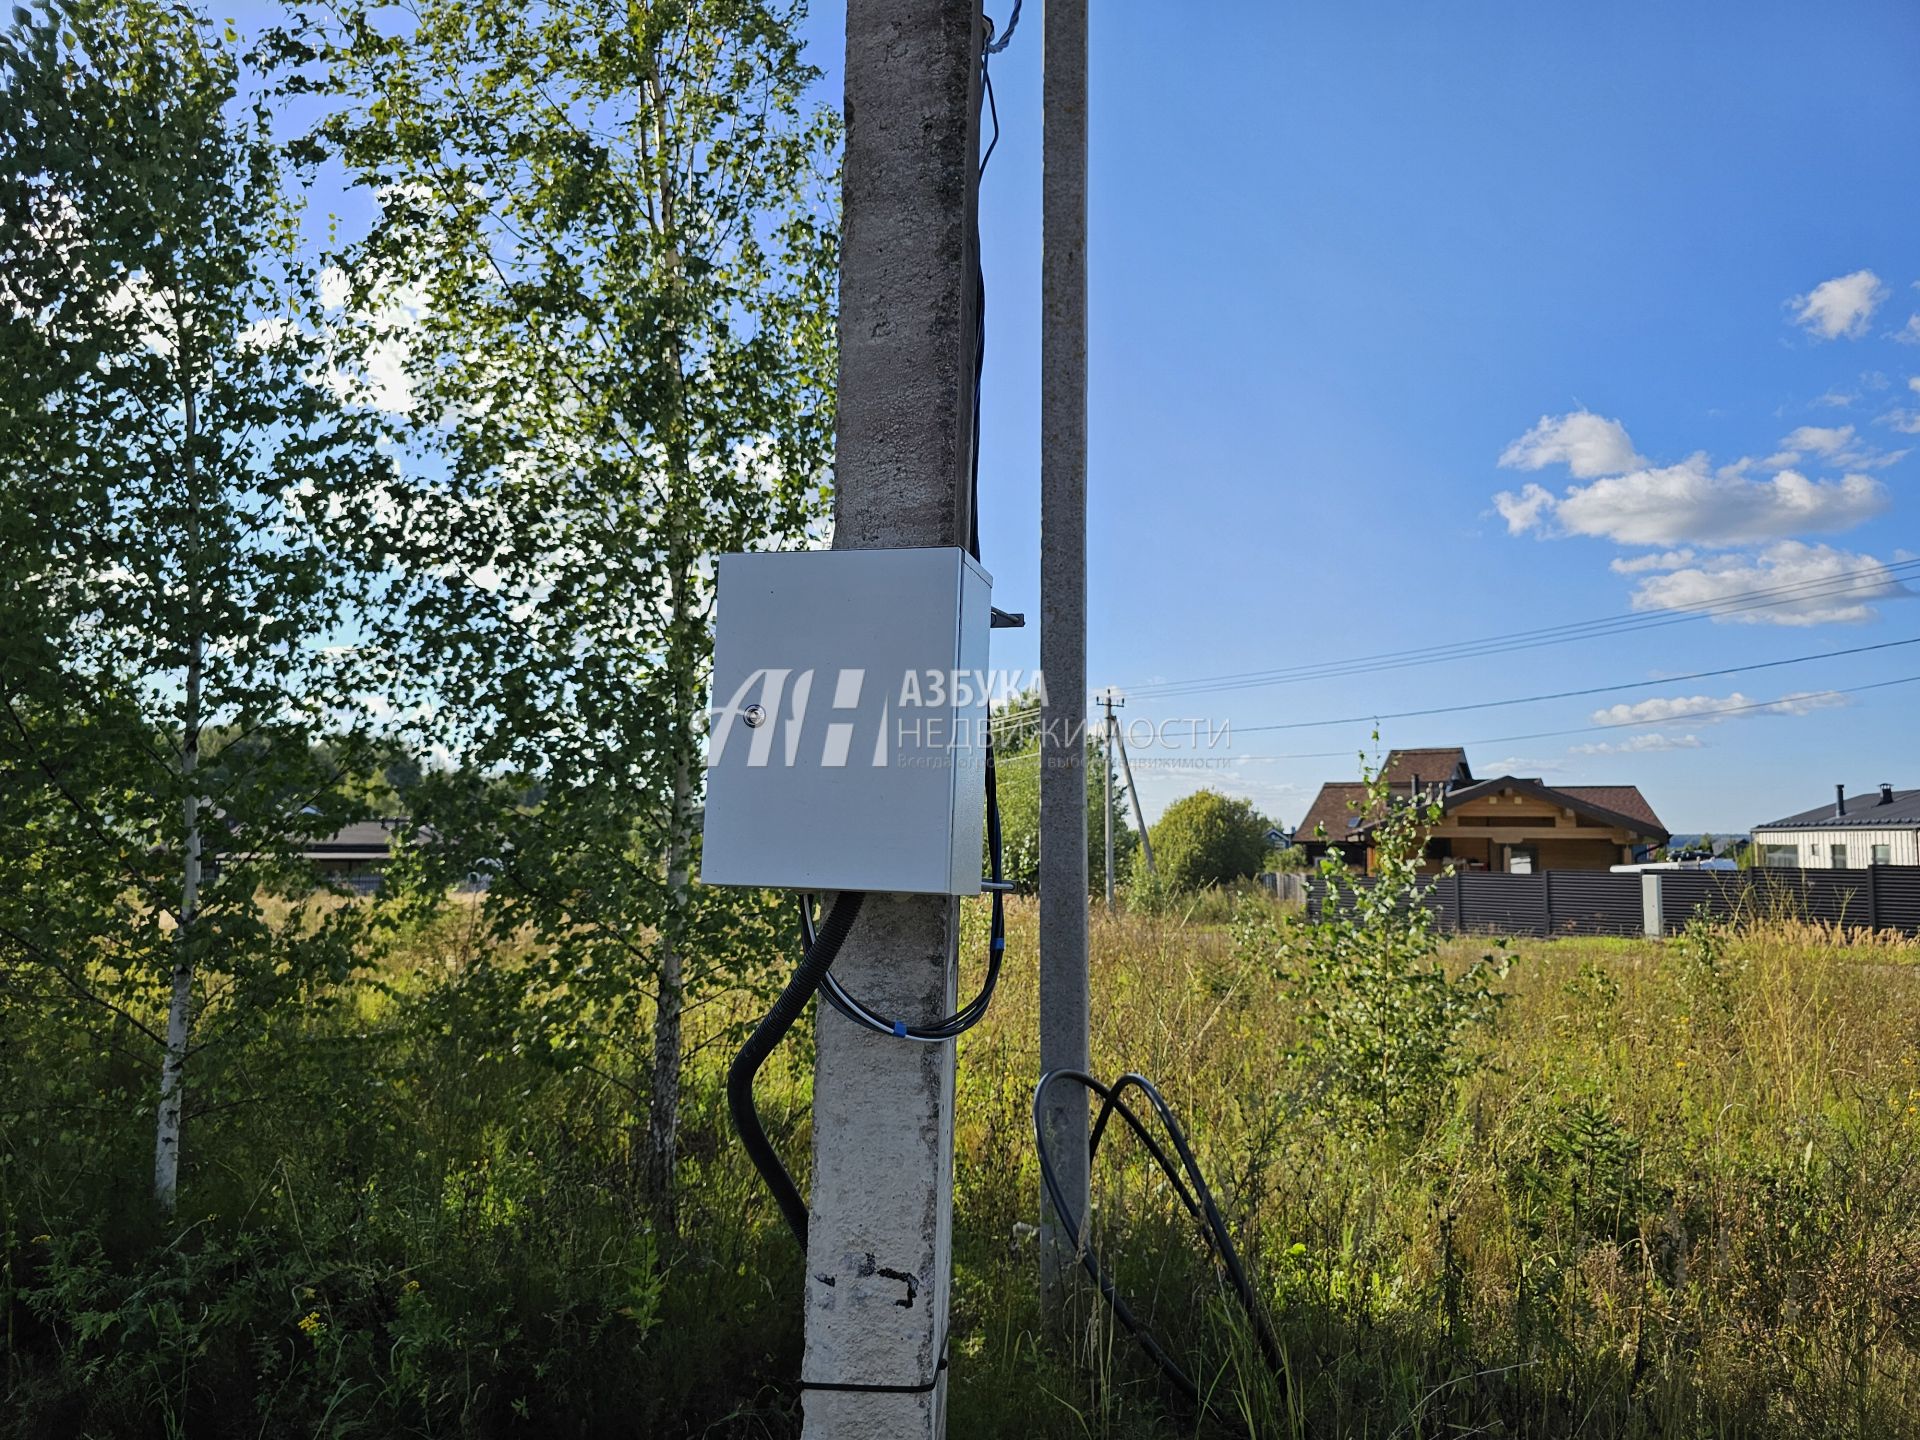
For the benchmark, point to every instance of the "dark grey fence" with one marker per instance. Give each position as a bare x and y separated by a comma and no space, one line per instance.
1591,902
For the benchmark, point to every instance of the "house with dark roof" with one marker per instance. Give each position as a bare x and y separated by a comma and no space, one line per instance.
356,854
1877,828
1511,823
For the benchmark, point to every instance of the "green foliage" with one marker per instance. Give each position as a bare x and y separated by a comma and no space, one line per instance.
1290,860
176,480
609,235
1385,1031
428,1227
1148,893
1207,838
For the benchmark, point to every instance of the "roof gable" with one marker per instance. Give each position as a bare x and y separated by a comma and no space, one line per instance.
1443,776
1436,765
1621,805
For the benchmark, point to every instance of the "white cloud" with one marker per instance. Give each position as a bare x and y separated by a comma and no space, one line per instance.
1689,503
1659,560
1715,708
1914,384
1836,445
1830,586
267,332
1821,439
334,287
1909,334
1841,306
1588,445
390,317
1531,507
1520,765
1639,745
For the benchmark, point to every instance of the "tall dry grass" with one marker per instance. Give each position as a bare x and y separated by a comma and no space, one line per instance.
1676,1195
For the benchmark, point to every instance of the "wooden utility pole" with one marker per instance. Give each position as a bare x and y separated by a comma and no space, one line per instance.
879,1247
1063,615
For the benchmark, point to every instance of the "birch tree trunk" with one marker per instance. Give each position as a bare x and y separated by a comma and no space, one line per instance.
663,1116
173,1064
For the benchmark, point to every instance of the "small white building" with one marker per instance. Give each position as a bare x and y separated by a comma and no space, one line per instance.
1878,828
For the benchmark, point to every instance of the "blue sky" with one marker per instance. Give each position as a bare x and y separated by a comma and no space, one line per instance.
1345,259
1417,324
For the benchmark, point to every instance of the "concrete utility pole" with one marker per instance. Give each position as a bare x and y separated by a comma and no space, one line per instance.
1109,697
1139,814
879,1248
1063,615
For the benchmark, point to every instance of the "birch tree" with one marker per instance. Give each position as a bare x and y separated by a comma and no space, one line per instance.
612,225
173,469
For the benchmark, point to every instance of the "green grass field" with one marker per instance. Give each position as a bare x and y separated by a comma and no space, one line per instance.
1676,1195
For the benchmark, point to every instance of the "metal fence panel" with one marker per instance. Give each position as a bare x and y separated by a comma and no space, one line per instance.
1593,902
1499,904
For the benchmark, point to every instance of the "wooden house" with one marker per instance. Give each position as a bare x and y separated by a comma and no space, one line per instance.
1513,823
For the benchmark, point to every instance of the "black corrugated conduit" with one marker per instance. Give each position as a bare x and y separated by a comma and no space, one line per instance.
1196,1197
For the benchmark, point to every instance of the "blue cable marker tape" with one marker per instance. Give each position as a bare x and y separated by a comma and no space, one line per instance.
999,942
900,1029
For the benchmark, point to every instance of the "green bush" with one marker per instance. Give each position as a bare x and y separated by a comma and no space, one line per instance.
1384,1030
1207,838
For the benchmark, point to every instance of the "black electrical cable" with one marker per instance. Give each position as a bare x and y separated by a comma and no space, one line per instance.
1189,1183
813,973
969,1015
769,1033
975,1010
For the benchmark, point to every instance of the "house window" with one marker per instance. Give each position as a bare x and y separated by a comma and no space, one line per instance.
1883,855
1780,857
1837,856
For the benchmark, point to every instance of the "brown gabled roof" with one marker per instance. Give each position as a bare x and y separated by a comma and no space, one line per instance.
1331,808
1433,766
1336,806
1597,802
1620,799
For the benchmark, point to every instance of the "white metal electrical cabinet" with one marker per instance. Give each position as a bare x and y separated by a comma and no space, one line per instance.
846,738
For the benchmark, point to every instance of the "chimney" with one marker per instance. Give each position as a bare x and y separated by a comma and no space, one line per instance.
1839,800
1886,793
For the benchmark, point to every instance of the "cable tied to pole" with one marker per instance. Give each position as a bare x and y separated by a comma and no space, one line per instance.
994,47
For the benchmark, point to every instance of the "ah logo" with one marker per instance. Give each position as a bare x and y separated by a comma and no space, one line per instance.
756,708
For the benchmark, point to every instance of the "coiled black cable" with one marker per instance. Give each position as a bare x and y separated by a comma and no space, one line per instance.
769,1033
970,1014
1188,1183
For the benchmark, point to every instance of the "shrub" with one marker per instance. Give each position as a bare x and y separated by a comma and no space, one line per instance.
1383,1029
1207,838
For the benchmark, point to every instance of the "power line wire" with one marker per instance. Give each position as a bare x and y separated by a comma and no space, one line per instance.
1622,724
1873,580
1575,694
